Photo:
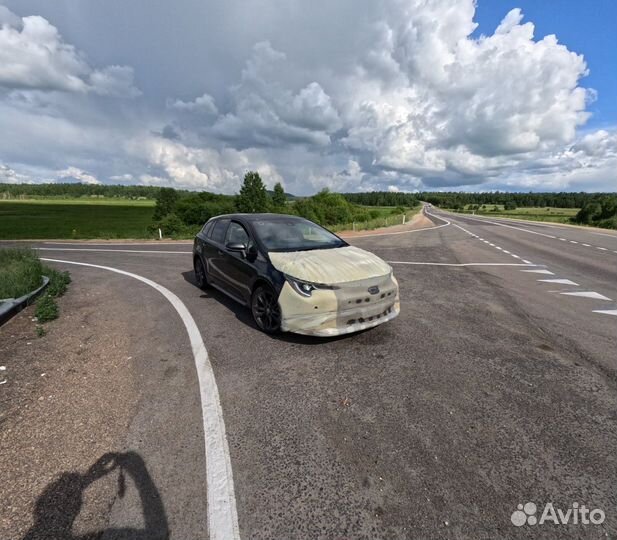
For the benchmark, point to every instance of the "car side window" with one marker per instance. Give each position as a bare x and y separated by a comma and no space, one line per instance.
218,232
236,234
207,229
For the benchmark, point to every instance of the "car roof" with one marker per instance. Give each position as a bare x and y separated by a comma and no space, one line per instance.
259,217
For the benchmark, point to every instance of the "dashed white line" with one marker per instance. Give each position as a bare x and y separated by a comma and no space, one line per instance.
540,271
606,311
560,282
586,294
221,500
602,248
586,245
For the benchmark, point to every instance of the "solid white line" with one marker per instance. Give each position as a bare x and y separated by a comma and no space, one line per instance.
154,243
606,311
542,271
457,264
116,250
221,500
587,294
559,281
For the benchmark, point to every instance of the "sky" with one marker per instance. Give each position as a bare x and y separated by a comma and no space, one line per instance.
352,95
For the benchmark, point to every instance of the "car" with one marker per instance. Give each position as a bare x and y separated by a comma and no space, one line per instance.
294,275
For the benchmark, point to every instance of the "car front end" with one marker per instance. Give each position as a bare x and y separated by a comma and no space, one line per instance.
335,292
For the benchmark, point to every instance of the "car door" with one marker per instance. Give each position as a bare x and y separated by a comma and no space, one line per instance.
215,253
239,270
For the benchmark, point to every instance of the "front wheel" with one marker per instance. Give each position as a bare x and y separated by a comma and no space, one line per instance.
266,309
200,273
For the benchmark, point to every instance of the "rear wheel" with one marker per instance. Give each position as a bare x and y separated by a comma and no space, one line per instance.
266,309
200,273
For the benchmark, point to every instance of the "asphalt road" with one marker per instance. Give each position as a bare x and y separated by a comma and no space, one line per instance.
492,388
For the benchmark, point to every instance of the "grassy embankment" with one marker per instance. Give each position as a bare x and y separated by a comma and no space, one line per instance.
554,215
21,272
75,218
388,216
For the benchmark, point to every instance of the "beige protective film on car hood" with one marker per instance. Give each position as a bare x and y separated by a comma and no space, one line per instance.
330,266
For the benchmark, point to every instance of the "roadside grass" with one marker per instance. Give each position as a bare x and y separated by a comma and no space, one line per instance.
21,272
554,215
55,218
386,219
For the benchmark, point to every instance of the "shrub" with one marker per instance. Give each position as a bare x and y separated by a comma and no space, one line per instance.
58,281
46,309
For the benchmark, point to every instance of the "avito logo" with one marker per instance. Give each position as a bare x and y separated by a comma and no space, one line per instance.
525,514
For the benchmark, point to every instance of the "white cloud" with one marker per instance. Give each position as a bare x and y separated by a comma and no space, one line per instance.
77,174
352,95
204,103
7,174
34,56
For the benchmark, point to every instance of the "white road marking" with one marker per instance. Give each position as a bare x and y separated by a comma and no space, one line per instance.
563,239
515,256
527,262
602,248
559,281
221,500
586,245
587,294
506,251
117,250
456,264
153,243
540,271
573,242
606,311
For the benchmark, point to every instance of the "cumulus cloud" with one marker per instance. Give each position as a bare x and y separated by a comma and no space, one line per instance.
77,174
204,104
266,113
34,56
406,97
7,174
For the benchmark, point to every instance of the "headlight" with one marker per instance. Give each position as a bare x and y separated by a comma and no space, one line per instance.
306,288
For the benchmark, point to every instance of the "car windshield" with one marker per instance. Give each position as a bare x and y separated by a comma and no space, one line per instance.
294,235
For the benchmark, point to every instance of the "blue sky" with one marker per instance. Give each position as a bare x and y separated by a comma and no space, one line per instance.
353,95
586,27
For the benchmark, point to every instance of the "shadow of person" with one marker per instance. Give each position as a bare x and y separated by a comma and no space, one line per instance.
59,505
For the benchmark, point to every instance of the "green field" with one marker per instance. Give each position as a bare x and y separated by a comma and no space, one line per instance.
75,218
554,215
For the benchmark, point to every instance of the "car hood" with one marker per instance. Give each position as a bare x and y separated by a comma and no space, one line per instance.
330,266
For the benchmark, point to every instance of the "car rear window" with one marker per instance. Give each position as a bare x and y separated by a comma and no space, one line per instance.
218,232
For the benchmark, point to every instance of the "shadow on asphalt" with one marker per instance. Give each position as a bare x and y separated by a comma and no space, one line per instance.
59,505
243,314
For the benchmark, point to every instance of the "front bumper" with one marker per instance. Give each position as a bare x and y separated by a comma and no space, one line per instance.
350,308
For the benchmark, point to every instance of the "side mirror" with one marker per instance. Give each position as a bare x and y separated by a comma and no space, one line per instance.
236,246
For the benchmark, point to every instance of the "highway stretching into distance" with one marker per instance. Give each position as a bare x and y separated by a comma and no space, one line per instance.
495,386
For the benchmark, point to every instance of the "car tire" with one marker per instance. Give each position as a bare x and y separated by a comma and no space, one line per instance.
266,310
201,277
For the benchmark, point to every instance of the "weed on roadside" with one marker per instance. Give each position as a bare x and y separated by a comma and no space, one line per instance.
46,309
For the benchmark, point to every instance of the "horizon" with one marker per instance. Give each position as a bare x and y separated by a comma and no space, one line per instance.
505,96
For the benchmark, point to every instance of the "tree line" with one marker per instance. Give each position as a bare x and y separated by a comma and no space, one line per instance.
75,190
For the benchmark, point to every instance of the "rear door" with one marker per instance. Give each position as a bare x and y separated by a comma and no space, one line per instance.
215,252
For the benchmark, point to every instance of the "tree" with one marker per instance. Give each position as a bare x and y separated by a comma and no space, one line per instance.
278,197
165,203
509,205
253,196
